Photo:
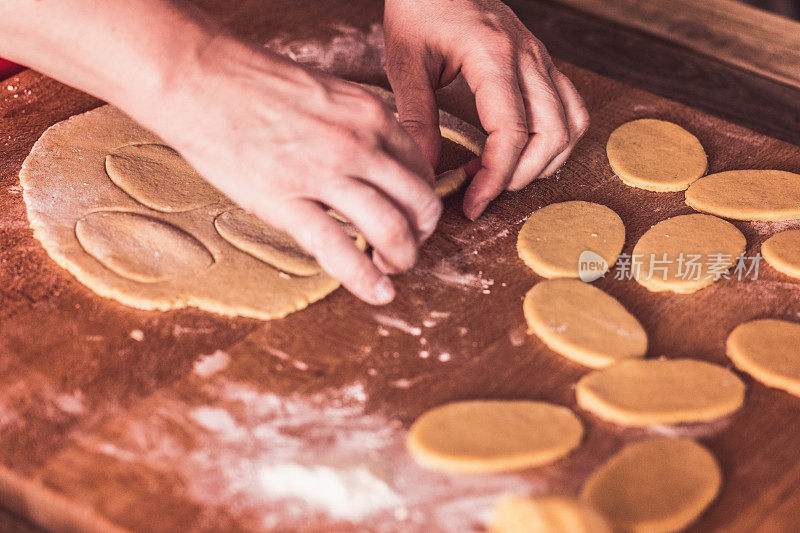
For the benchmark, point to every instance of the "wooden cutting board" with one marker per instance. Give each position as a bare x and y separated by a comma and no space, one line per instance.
113,418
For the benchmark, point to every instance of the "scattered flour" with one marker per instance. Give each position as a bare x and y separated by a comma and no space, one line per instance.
208,365
397,323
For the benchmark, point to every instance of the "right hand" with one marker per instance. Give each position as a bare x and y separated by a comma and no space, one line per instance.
287,143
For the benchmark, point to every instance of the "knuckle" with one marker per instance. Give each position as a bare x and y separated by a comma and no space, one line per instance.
582,121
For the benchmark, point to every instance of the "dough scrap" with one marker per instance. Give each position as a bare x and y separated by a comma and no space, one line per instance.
139,247
656,155
583,323
158,177
493,435
685,253
748,195
547,514
782,252
768,350
643,392
654,486
63,194
558,236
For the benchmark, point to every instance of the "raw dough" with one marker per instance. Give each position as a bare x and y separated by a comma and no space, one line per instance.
493,435
115,244
655,155
686,253
654,486
547,514
643,392
451,128
251,235
782,252
583,323
748,195
556,237
768,350
158,177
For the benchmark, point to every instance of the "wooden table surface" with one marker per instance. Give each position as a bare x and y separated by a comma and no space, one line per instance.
210,423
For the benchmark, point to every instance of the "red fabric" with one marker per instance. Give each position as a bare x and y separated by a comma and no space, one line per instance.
7,68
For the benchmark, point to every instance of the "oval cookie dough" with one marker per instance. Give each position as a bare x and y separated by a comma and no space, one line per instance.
642,392
583,323
768,350
686,253
748,195
546,514
655,155
657,485
782,252
557,237
493,435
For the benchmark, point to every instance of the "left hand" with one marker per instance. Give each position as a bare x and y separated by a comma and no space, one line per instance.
532,112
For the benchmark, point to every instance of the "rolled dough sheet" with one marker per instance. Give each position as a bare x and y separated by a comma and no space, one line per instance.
556,238
683,254
147,242
655,155
782,252
748,195
583,323
655,486
547,514
643,392
493,435
768,350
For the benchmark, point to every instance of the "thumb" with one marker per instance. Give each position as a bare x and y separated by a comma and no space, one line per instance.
417,108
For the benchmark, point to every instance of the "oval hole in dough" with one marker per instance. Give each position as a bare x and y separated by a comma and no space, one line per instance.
748,195
253,236
493,435
583,323
139,247
643,392
159,178
658,485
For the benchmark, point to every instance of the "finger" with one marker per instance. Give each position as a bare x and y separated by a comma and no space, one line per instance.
577,117
547,120
502,114
406,189
399,143
416,104
336,253
380,221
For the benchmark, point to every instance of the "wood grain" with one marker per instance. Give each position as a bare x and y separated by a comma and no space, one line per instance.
733,32
100,431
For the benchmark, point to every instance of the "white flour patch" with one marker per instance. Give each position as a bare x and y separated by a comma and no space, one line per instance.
208,365
300,462
397,323
71,403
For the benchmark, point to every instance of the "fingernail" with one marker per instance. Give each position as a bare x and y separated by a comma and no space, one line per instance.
384,291
477,209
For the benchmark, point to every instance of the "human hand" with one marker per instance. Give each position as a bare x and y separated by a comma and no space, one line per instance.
287,143
532,112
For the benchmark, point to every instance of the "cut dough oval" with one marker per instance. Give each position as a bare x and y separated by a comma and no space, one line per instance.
768,350
583,323
158,177
547,514
686,253
748,195
139,247
655,155
642,392
782,252
493,435
658,485
251,235
558,237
